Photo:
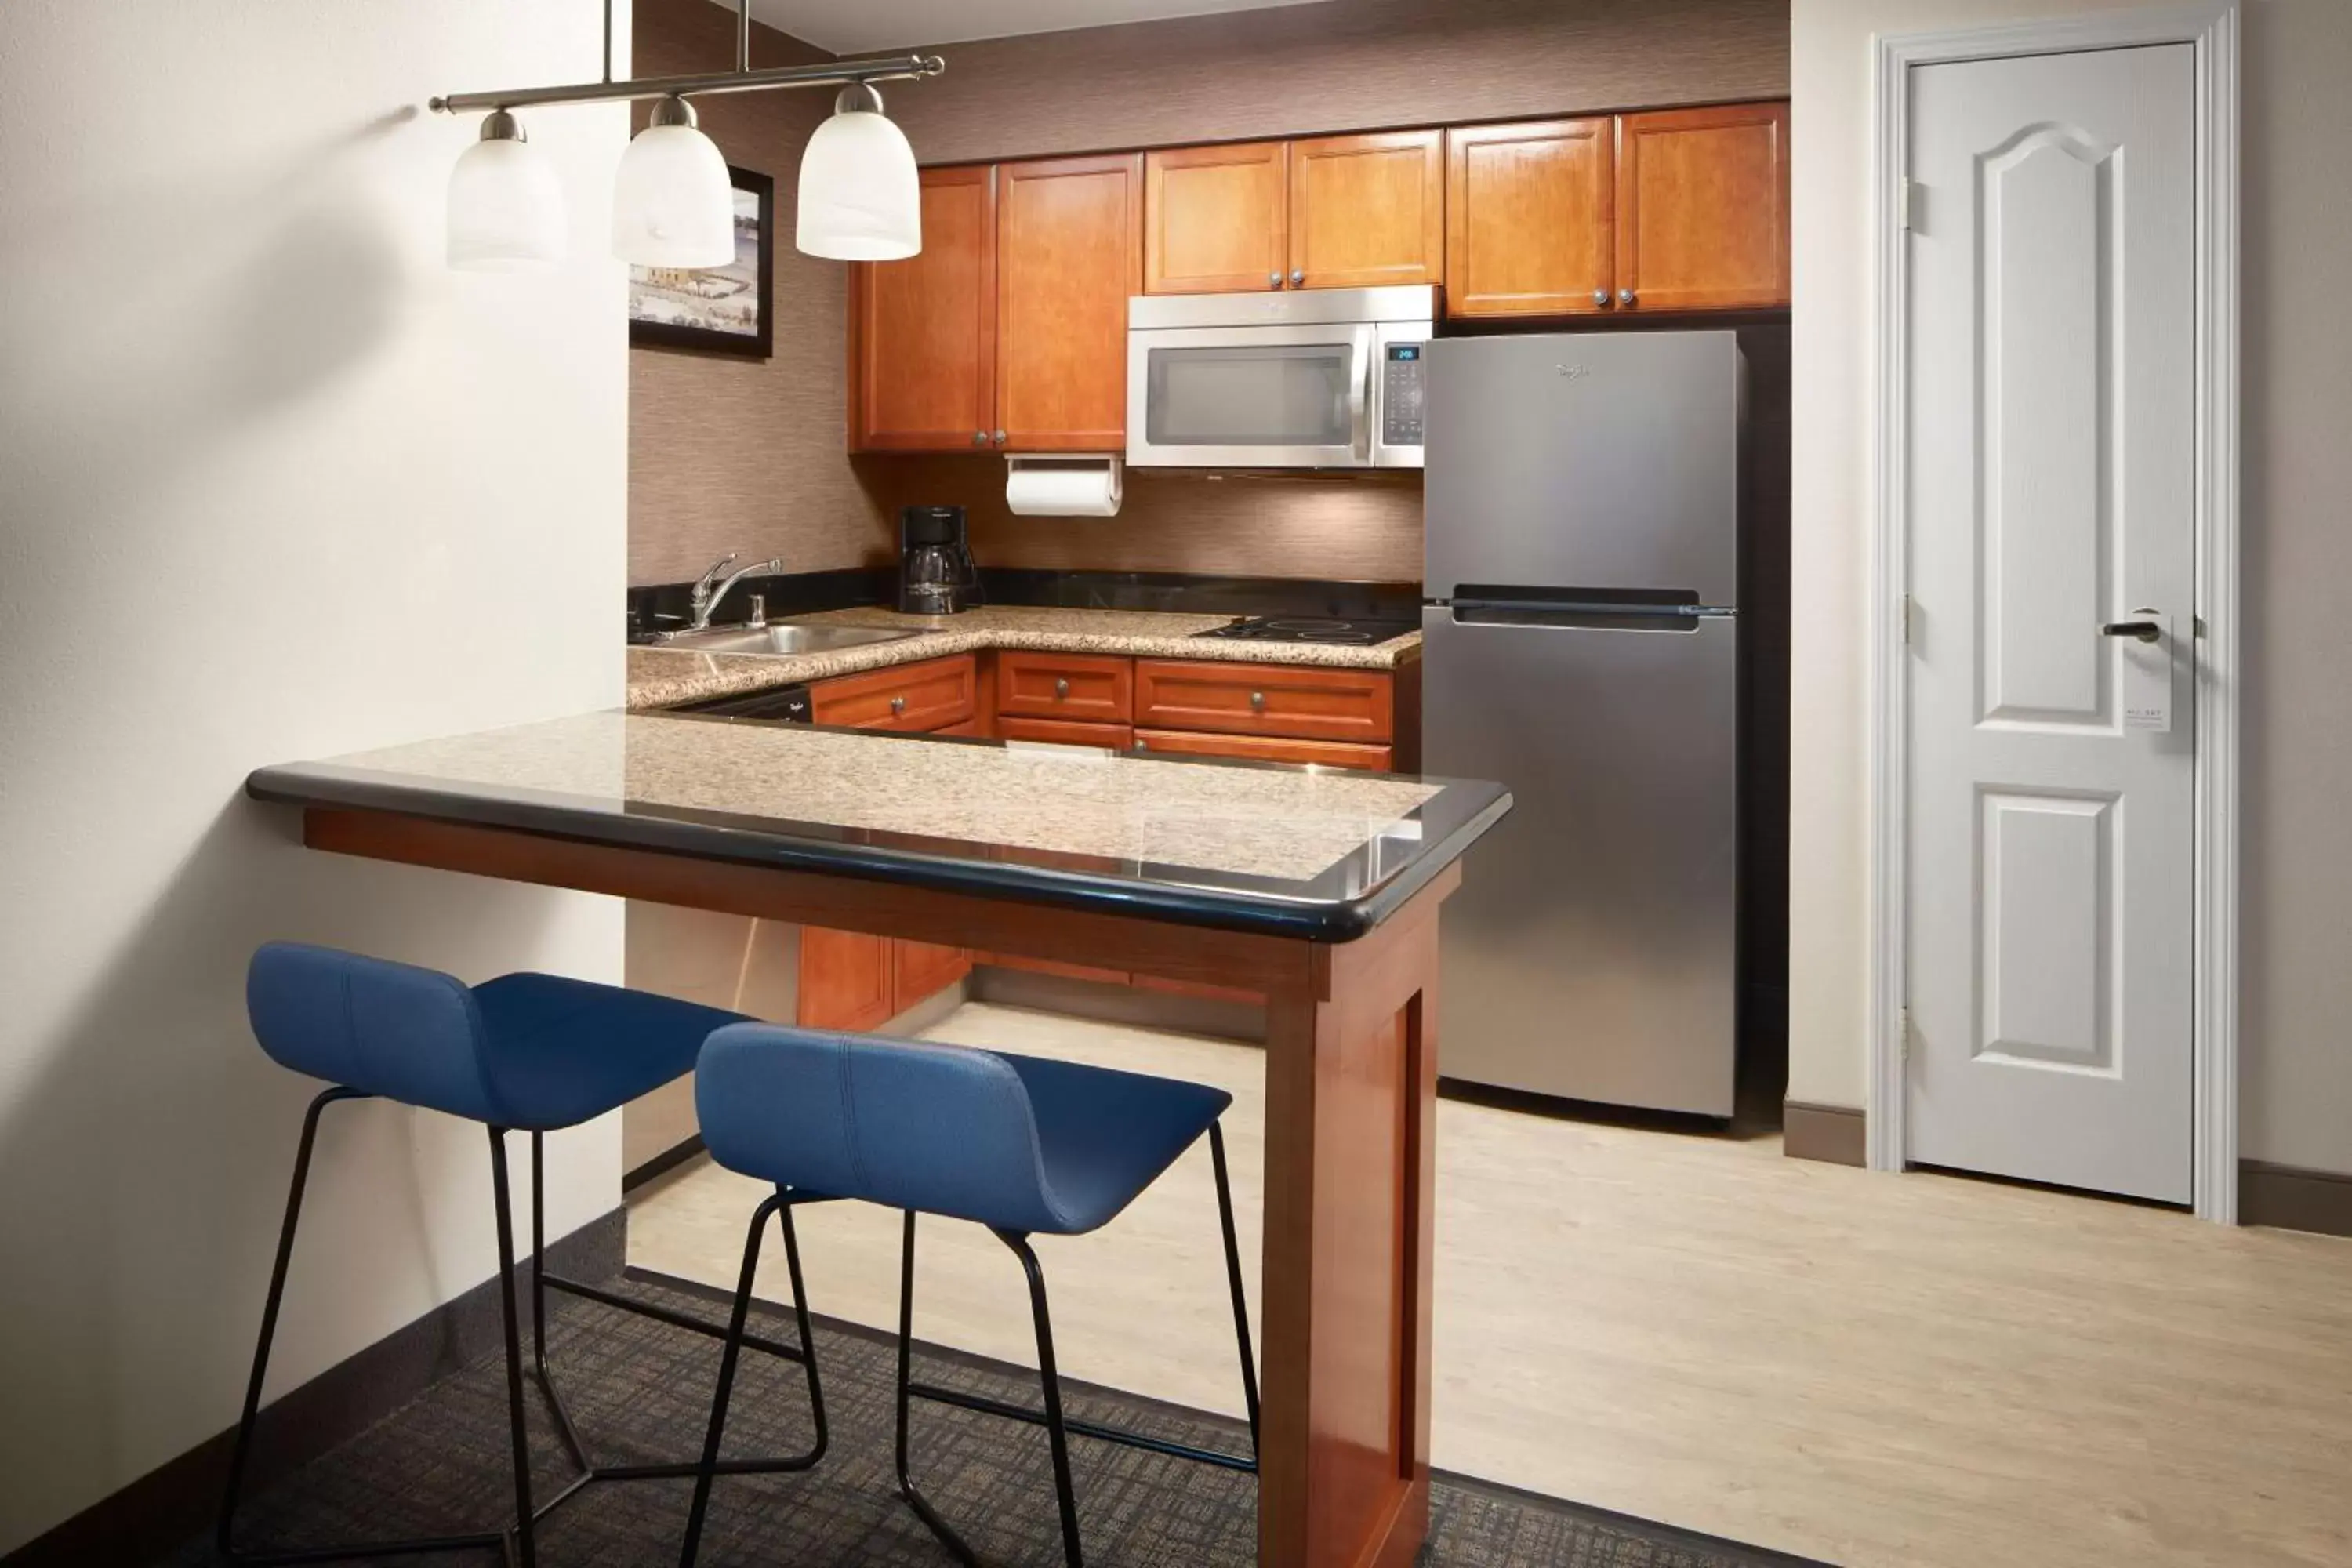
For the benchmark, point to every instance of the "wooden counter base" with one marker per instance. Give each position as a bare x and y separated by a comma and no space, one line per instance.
1350,1106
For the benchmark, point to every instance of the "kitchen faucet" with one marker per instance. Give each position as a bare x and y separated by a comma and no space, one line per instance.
712,586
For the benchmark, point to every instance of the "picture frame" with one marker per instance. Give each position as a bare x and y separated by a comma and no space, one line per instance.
722,309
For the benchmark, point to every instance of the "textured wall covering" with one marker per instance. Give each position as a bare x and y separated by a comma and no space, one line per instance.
736,454
727,455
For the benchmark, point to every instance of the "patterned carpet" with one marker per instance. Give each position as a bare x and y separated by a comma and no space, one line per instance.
641,1390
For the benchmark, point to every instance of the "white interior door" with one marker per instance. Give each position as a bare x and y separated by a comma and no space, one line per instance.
2051,485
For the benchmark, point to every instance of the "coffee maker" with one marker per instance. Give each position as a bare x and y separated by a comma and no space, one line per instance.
936,573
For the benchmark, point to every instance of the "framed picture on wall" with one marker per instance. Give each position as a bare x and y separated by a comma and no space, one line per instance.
717,310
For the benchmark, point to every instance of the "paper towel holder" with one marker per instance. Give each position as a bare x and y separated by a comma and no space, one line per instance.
1103,501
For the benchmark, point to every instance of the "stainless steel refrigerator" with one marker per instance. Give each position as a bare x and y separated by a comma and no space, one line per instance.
1580,630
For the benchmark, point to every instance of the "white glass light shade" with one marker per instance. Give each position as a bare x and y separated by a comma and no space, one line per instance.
506,209
673,202
860,198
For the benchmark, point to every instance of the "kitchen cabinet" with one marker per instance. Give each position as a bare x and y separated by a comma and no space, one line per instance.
1529,225
1216,219
1367,211
1063,733
850,980
911,697
1083,688
1703,209
923,330
1304,702
1265,748
1069,252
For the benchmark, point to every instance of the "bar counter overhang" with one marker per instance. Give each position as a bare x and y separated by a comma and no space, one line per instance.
1319,888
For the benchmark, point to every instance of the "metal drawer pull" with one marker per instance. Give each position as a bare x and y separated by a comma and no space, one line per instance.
1257,700
1625,296
1601,297
897,705
1061,687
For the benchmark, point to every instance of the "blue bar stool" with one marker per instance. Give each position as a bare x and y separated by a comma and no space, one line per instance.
1020,1144
524,1052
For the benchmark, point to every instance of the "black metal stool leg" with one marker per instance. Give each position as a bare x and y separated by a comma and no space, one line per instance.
1234,1278
906,1489
270,1304
727,1360
525,1545
563,1424
1056,1429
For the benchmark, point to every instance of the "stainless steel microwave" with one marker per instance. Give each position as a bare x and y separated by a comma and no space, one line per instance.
1320,378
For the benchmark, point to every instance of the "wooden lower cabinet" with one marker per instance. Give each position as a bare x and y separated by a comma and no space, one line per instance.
1055,731
922,969
1305,702
1087,688
936,694
1051,967
1265,748
846,979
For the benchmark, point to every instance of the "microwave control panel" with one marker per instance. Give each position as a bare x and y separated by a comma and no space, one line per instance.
1402,371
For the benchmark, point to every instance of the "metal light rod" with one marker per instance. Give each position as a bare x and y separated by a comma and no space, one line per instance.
900,68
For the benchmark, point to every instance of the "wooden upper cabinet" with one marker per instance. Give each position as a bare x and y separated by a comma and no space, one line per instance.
1215,219
1368,211
1528,225
1069,252
1703,209
923,330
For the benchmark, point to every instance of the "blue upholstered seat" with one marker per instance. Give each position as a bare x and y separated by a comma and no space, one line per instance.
524,1051
1017,1142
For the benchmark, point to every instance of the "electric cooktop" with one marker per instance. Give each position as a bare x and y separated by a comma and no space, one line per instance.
1311,628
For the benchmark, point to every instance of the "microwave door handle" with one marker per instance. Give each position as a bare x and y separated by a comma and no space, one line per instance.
1359,397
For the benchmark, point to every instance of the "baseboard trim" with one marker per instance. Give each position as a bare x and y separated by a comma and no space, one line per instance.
180,1498
1834,1134
2288,1198
661,1164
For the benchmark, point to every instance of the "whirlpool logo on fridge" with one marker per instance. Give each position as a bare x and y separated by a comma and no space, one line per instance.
1574,372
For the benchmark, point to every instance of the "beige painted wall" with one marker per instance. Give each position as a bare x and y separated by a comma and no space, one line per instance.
274,483
729,455
2297,1086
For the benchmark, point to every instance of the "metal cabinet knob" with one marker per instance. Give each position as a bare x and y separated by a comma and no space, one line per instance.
1061,687
1274,280
897,705
1601,297
1625,296
1257,700
1000,437
979,438
1297,276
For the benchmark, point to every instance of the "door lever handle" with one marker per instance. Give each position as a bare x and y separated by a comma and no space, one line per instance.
2138,631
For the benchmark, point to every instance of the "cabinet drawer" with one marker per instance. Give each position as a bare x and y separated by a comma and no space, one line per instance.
1265,748
932,695
1061,733
1304,701
1065,686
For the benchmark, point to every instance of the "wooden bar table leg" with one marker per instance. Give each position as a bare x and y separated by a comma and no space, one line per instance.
1351,1113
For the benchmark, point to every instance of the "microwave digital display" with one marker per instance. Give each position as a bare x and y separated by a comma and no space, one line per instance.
1401,396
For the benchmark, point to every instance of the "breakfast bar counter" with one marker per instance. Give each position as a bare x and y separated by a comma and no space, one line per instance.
1319,889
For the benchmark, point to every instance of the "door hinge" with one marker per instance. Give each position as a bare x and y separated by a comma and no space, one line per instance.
1907,199
1903,1036
1904,611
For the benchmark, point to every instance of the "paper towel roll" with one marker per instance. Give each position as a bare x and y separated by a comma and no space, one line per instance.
1063,487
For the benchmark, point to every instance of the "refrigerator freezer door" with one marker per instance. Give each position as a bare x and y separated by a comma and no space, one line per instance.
1590,952
1596,460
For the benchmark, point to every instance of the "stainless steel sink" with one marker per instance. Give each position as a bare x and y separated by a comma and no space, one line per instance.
781,639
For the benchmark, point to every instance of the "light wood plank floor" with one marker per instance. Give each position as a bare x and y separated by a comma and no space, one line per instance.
1871,1370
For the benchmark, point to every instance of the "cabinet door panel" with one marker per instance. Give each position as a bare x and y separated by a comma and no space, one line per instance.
845,979
1305,702
1368,211
1703,209
923,330
1528,227
1091,689
1069,252
1213,218
935,694
1265,749
1062,733
921,969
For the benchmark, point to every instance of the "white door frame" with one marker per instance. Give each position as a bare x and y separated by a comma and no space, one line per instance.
2213,27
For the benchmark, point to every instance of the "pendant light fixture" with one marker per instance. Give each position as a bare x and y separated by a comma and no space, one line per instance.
673,200
859,199
506,207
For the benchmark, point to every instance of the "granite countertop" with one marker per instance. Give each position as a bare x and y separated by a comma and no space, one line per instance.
667,676
1245,846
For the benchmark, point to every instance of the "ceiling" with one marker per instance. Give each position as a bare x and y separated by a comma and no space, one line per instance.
861,27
